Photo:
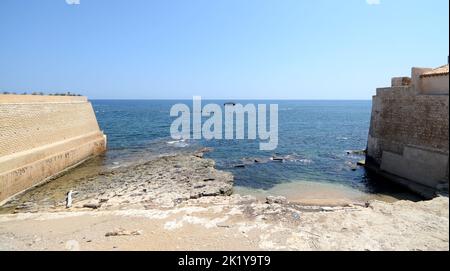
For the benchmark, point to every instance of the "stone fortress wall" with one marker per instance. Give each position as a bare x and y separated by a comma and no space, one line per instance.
41,136
409,133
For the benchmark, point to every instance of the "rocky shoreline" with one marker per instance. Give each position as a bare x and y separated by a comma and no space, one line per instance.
160,183
182,202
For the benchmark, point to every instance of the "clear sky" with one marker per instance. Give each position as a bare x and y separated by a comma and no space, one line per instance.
157,49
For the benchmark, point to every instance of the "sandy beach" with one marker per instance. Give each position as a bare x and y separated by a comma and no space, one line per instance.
235,223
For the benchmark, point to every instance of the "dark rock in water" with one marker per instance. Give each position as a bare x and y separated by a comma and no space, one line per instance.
251,161
357,152
351,165
205,150
199,154
361,163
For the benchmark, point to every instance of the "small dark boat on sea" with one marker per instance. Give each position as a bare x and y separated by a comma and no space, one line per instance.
277,159
230,104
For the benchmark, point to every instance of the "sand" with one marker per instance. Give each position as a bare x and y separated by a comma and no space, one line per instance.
235,223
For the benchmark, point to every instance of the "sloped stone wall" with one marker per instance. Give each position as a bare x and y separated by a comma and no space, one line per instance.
409,136
41,136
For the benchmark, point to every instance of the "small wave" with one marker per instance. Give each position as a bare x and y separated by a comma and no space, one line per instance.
306,161
178,143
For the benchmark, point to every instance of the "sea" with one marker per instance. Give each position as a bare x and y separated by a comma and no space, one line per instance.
319,142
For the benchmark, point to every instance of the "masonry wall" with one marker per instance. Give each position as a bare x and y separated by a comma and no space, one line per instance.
41,136
409,138
434,85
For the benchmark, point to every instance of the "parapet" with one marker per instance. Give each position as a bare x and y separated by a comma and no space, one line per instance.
401,81
41,136
423,81
431,81
24,99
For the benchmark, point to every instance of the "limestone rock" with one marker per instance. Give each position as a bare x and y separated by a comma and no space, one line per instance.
276,200
123,232
92,205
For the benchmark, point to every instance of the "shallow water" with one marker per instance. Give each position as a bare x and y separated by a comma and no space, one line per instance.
324,194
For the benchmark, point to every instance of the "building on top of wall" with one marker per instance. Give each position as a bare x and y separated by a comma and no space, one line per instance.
408,138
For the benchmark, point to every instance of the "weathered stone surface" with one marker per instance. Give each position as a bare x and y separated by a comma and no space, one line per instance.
172,180
236,223
164,182
276,200
201,152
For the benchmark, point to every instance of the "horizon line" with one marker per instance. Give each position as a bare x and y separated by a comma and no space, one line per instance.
236,99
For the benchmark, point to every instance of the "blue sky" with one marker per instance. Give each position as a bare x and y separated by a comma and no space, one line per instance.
284,49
